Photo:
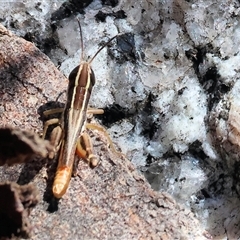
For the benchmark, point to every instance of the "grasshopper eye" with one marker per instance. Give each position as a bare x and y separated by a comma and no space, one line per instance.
92,77
73,74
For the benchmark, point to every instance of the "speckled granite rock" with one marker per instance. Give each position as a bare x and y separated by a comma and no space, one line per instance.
112,201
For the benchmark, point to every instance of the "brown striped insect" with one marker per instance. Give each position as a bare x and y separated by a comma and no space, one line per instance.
70,137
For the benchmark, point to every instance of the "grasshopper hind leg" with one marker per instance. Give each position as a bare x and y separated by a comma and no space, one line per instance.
56,133
95,126
85,150
84,147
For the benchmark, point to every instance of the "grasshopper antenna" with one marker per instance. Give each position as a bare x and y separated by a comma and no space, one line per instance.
101,48
81,39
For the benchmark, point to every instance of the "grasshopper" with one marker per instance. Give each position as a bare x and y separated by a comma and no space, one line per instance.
70,137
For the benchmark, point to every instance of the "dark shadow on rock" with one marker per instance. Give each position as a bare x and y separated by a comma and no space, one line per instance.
16,203
30,170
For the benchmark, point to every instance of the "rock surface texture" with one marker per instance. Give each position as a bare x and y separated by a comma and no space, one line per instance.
112,201
169,85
